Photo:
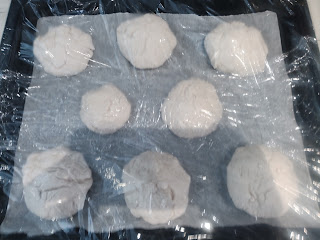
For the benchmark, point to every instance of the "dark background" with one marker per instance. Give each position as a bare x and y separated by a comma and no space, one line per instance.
301,55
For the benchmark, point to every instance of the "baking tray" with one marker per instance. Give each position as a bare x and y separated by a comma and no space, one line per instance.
302,62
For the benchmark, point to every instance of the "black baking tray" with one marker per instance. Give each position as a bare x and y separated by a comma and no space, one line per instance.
302,62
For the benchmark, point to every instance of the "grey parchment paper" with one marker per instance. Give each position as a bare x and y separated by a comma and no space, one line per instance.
257,110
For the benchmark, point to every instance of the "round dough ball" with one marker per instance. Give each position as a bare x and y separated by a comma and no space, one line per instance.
146,42
105,110
261,181
63,50
157,187
236,48
192,109
55,183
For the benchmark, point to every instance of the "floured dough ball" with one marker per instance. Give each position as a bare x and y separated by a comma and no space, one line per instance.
261,181
55,183
157,187
236,48
192,109
146,42
63,50
105,110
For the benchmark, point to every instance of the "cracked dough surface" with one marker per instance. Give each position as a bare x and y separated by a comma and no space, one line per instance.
237,49
261,181
105,110
146,41
63,50
157,187
192,109
55,183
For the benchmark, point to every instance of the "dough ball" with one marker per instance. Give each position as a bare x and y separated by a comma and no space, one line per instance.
146,42
63,50
192,109
157,187
236,48
261,181
105,110
55,183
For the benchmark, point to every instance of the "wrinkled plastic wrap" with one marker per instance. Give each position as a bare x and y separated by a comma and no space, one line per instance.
256,110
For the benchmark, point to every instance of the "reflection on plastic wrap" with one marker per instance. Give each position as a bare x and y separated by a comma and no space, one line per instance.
163,143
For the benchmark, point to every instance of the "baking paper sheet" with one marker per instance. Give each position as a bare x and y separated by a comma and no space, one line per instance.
257,110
